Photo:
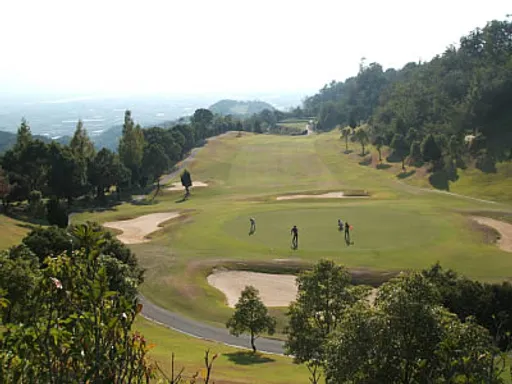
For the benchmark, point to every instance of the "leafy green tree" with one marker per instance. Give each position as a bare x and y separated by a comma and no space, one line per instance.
415,152
186,181
131,147
23,136
430,149
56,213
5,189
106,170
400,147
155,163
251,316
65,177
378,142
362,137
80,331
202,120
83,150
406,337
18,279
324,293
345,133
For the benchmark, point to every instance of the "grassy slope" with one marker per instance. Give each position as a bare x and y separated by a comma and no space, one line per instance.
232,366
12,231
398,228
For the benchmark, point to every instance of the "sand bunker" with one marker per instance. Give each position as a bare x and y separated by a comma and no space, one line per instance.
136,230
275,290
329,195
178,187
505,230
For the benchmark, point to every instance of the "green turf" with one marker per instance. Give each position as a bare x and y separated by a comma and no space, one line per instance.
399,227
12,231
232,365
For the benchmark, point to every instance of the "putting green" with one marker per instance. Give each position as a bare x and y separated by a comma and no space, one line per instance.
374,227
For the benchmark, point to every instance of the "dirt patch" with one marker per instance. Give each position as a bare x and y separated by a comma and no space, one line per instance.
136,230
275,290
329,195
504,229
178,187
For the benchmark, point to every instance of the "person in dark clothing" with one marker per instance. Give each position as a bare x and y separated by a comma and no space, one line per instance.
295,237
347,233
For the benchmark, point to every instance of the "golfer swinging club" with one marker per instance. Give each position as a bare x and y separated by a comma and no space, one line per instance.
295,237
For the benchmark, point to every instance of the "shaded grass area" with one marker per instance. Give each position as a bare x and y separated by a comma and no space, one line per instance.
12,231
232,366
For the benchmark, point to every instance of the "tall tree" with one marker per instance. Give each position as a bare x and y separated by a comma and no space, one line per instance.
400,148
406,337
83,149
24,135
362,137
202,120
186,181
155,163
324,293
345,134
131,147
65,173
430,149
5,189
251,316
378,142
105,171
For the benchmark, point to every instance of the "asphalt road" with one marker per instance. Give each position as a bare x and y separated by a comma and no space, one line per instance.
204,331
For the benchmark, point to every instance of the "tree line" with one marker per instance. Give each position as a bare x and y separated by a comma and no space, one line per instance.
458,102
68,300
431,326
33,170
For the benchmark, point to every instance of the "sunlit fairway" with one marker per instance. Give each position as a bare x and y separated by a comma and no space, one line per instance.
399,227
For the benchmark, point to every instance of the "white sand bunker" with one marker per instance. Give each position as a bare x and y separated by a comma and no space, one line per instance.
136,230
178,187
275,290
505,230
329,195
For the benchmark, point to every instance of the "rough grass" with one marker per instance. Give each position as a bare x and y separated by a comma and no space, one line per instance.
12,231
232,365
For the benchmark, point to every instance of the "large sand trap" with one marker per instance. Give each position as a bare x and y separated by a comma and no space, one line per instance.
136,230
329,195
505,230
178,187
275,290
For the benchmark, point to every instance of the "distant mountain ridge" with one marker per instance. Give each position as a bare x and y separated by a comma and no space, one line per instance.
8,139
239,108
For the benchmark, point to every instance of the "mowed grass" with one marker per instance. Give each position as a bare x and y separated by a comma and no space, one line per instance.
12,231
231,366
398,228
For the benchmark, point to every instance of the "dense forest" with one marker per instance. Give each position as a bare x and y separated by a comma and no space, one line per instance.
459,101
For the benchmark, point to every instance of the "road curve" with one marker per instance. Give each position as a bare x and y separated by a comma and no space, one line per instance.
204,331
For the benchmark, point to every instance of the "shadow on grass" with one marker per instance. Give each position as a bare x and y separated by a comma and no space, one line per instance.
439,180
405,175
367,161
248,358
27,226
383,166
182,200
348,151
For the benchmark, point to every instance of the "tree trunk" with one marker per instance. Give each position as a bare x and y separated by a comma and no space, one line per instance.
362,145
252,342
403,164
380,156
346,143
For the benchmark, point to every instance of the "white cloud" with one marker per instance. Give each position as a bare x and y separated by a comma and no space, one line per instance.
232,46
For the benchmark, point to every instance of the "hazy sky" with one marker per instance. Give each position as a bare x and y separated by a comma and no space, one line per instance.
192,46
